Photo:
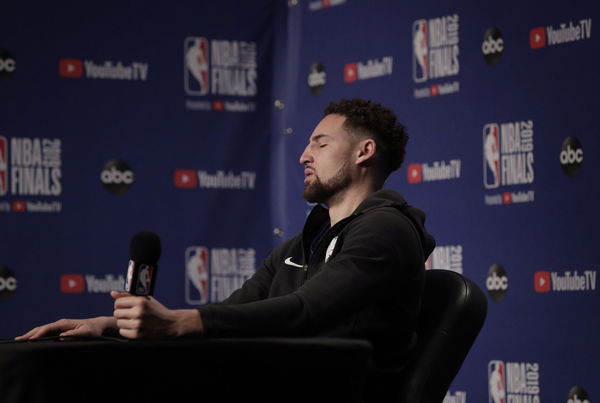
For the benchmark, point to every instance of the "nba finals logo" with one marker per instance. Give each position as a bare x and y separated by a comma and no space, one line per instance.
435,48
491,153
3,166
420,51
196,65
197,275
497,382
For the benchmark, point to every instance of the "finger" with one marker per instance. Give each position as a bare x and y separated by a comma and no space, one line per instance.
119,294
129,333
129,302
129,324
125,303
27,335
48,330
126,313
74,333
78,331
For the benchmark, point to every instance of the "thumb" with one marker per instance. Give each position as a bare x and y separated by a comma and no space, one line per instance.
119,294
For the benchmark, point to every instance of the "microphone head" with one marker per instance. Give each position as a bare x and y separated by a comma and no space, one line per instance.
145,248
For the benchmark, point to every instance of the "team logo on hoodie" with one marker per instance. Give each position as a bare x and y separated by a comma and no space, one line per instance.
330,249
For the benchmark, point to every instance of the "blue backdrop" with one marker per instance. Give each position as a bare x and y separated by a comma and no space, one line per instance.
188,120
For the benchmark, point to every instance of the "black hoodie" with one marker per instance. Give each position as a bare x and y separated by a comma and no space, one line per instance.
363,279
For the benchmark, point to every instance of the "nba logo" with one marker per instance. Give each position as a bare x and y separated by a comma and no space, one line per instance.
196,66
420,51
491,156
3,166
197,275
144,281
497,382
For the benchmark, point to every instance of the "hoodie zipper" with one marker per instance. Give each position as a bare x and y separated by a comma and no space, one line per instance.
321,242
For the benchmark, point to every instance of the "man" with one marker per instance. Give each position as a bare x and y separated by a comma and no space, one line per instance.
355,271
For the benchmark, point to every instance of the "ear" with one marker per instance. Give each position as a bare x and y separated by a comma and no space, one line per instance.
365,151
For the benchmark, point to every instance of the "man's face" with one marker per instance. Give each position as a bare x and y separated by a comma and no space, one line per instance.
327,160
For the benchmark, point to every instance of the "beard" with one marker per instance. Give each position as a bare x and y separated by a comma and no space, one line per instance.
324,192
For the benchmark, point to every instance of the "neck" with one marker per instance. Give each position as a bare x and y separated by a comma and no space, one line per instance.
345,202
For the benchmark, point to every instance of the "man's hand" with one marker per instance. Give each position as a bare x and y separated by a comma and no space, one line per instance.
145,317
72,327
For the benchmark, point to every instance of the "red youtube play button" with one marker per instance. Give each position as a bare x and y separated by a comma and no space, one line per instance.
72,283
70,68
185,178
541,281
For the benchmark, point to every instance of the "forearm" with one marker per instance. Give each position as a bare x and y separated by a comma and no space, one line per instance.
278,316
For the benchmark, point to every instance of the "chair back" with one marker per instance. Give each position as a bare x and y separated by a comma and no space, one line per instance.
452,314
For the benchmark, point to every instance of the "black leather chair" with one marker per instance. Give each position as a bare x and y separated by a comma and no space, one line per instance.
452,314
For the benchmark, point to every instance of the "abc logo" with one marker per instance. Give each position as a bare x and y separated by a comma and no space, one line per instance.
492,46
317,78
117,176
571,156
568,156
497,282
8,283
8,65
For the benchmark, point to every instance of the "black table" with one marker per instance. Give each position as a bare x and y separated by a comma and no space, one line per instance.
211,370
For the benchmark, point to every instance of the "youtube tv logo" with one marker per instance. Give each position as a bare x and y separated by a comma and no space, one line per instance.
185,178
541,281
72,283
70,68
415,173
218,106
350,72
537,38
19,206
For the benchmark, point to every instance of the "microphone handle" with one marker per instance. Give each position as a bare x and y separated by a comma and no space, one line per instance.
141,278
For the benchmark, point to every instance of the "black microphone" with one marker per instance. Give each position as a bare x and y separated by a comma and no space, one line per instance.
144,252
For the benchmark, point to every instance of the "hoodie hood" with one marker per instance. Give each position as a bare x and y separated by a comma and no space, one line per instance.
390,198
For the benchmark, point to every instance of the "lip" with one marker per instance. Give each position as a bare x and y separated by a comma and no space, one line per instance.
308,173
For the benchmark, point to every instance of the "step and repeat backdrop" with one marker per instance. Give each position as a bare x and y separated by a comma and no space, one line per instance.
189,119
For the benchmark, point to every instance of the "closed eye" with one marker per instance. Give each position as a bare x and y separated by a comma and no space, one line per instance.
322,145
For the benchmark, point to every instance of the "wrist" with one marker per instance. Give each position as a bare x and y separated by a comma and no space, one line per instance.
188,323
108,325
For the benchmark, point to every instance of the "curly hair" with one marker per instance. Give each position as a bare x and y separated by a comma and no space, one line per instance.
367,118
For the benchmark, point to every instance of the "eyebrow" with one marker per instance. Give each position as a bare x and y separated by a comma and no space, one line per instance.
318,137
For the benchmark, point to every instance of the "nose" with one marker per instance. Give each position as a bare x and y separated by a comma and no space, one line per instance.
306,157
